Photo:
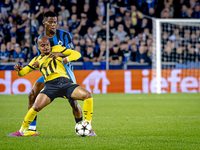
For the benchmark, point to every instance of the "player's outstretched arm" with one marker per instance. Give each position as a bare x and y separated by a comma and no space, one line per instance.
71,55
22,71
30,67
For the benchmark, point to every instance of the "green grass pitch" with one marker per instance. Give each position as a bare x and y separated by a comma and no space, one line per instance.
121,121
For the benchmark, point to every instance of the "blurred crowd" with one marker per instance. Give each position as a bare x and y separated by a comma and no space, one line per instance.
180,43
131,38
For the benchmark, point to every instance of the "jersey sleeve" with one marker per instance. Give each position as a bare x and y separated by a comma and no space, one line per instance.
58,48
68,43
27,69
72,54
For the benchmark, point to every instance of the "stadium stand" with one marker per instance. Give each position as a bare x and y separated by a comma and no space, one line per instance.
130,31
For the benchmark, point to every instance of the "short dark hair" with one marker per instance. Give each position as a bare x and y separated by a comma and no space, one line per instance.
49,14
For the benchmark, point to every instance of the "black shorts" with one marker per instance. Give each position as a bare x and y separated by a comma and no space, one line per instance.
59,87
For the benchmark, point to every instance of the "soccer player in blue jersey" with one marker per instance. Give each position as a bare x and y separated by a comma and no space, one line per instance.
56,37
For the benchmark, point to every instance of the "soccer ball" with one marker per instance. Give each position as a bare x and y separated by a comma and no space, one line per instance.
83,128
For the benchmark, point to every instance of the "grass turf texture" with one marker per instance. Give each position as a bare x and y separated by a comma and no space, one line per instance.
121,121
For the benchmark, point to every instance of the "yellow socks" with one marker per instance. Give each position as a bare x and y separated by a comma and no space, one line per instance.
28,119
88,109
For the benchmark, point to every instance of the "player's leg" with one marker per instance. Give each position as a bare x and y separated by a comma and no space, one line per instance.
39,84
42,100
81,93
76,108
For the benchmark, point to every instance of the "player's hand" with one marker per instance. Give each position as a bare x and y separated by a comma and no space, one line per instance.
65,60
35,64
56,54
18,67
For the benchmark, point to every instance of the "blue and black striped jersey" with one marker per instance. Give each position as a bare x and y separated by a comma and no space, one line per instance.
62,38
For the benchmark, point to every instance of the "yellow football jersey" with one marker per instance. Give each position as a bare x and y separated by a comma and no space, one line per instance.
49,67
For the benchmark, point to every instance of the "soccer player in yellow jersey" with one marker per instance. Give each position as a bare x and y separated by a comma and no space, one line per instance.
57,82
